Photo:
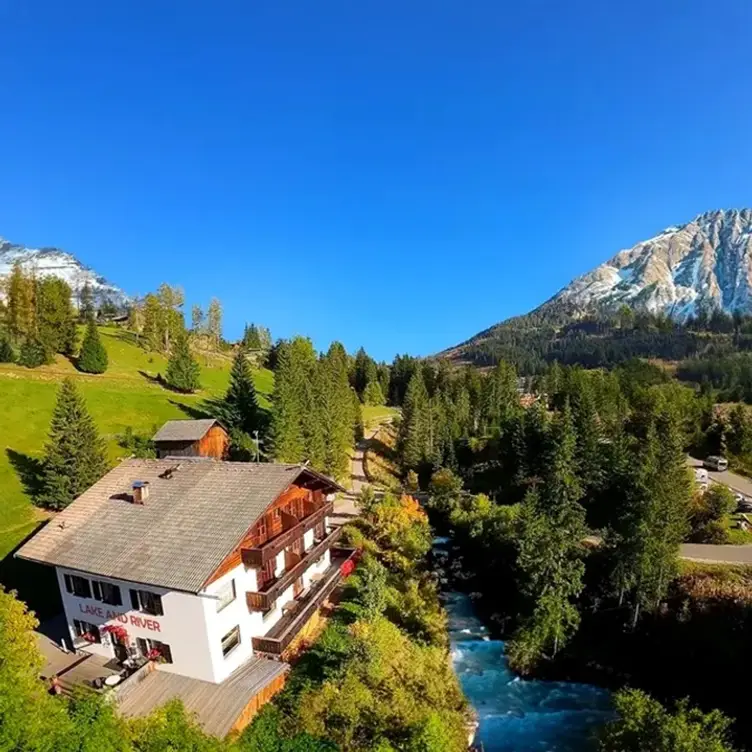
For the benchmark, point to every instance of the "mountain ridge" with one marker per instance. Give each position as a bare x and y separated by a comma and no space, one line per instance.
59,263
704,264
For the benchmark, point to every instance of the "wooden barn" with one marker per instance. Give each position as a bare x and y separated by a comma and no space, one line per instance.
192,438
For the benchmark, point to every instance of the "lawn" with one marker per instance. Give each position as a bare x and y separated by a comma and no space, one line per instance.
126,395
373,414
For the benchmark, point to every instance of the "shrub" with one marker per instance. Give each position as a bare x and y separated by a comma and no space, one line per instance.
34,354
644,724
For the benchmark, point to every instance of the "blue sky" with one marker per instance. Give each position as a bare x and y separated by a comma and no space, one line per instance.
394,174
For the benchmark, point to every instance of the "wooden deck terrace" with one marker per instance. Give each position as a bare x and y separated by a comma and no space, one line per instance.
219,708
73,669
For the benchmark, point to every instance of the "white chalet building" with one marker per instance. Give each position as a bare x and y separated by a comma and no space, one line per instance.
199,565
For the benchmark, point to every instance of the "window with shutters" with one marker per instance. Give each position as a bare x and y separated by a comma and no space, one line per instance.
106,592
154,649
226,595
146,602
78,586
86,631
230,641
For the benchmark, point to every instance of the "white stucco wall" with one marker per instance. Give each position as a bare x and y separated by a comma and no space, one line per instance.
182,626
191,624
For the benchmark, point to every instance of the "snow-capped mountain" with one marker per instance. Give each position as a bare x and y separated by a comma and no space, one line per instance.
57,263
704,263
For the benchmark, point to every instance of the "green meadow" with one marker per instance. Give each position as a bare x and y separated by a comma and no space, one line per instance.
128,394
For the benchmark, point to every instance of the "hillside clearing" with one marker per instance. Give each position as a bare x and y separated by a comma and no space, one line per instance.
126,395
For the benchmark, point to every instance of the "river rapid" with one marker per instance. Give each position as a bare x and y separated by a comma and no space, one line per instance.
517,715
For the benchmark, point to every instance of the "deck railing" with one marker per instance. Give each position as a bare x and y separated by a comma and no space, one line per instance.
264,599
284,632
258,556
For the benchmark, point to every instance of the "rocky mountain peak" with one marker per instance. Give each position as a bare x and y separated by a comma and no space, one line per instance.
704,263
58,263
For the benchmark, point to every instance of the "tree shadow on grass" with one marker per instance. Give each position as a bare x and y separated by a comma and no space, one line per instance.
153,379
29,470
196,412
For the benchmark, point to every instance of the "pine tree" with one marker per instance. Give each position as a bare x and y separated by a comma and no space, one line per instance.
372,395
294,432
34,353
86,308
356,414
7,355
501,398
251,337
93,357
183,372
364,370
550,552
74,454
413,437
240,402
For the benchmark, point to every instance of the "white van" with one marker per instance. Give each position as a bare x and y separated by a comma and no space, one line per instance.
716,463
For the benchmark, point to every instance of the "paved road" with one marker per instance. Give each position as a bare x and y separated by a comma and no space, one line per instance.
710,554
732,480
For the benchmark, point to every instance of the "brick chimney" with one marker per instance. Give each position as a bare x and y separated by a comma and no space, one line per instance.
140,491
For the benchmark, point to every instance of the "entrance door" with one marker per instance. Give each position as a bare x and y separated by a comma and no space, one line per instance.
297,588
121,649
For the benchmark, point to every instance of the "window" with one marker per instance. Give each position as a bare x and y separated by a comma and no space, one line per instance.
77,585
230,641
226,595
106,592
86,631
147,602
154,649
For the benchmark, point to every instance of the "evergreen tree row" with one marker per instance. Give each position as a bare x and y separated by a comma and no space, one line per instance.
315,413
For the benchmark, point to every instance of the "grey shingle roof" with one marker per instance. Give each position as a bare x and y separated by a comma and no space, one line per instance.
188,525
184,430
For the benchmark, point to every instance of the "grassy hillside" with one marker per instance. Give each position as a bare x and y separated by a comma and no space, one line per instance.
127,395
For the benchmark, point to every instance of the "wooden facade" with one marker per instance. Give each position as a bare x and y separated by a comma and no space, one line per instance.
285,520
214,443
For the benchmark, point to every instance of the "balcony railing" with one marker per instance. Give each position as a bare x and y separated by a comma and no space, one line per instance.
288,627
265,598
260,555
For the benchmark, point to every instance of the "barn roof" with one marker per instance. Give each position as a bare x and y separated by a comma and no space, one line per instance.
197,512
184,430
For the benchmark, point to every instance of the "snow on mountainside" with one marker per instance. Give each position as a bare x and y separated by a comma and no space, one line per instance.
704,263
57,263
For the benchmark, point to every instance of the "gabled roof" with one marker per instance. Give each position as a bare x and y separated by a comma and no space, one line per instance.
196,513
184,430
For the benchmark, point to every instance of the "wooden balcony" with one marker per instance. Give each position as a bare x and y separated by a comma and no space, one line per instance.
260,555
287,628
265,598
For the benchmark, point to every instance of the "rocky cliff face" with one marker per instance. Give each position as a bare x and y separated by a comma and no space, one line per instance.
706,262
57,263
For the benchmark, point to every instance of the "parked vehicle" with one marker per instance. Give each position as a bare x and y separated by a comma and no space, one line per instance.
716,463
743,503
701,478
